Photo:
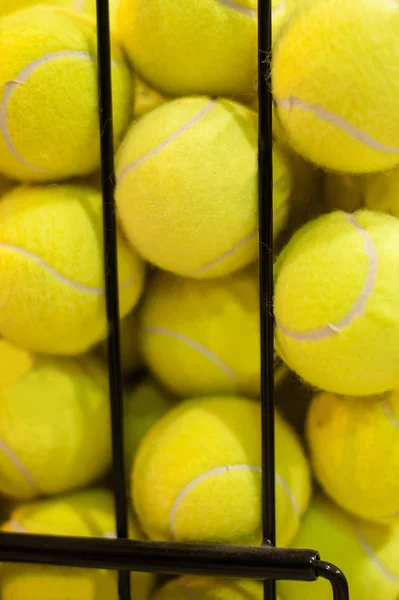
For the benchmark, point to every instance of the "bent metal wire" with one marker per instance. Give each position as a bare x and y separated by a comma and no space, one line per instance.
264,562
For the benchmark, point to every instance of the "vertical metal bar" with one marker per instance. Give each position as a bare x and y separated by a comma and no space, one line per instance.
111,278
266,277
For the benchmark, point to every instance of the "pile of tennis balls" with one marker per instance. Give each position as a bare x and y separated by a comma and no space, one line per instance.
184,79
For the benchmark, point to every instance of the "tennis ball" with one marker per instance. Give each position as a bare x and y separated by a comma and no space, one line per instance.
144,405
209,49
344,192
366,553
187,186
350,439
282,189
85,6
49,95
335,303
146,98
54,428
83,514
202,337
210,588
15,362
51,269
213,494
354,127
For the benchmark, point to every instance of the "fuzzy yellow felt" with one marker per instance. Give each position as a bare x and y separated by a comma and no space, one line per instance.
366,553
187,186
202,337
54,428
351,439
207,488
87,514
49,95
15,362
144,405
335,303
335,92
208,48
210,588
51,269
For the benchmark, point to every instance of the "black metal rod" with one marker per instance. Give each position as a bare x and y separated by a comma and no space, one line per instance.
266,278
336,577
266,271
257,562
111,277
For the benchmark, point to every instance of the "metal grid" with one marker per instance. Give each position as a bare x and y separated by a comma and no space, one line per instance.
264,562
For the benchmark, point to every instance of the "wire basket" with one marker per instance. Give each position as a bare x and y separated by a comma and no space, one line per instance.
265,562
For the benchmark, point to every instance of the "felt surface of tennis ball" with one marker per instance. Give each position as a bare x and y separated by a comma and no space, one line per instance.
207,588
352,129
82,514
354,446
130,354
144,405
54,428
146,98
84,6
15,362
202,337
366,553
209,48
52,271
282,189
187,187
49,95
214,493
337,318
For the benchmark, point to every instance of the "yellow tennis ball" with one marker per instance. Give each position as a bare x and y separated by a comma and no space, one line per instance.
352,129
83,514
210,588
49,95
335,303
54,428
209,49
130,355
187,186
52,294
144,405
282,189
350,439
85,6
202,337
366,553
213,494
15,362
146,98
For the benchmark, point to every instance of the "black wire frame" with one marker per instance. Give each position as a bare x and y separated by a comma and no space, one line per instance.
265,562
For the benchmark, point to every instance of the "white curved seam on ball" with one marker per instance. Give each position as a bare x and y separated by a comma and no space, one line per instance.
374,558
16,526
278,9
245,10
166,142
392,515
196,346
390,414
219,259
19,466
20,79
81,287
79,5
334,119
358,307
288,491
203,477
109,535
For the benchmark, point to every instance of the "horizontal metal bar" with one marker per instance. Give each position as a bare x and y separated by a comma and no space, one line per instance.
257,562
